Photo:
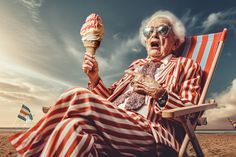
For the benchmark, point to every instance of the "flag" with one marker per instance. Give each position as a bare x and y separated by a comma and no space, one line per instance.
25,113
233,123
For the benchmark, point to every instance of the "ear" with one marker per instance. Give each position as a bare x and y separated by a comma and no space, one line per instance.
176,44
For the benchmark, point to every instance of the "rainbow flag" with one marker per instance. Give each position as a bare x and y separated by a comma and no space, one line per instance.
25,113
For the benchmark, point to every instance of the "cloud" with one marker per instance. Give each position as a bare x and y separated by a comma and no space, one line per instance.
125,47
114,65
212,19
57,54
25,89
226,18
199,23
226,107
12,87
189,20
116,36
21,98
20,86
37,49
72,50
32,3
28,89
33,7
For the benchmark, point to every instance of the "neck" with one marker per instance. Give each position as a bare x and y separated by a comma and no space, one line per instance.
154,59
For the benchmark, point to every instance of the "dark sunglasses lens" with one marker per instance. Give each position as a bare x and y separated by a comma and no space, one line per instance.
163,30
147,32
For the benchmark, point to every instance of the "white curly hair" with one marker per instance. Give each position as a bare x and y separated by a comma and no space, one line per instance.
177,26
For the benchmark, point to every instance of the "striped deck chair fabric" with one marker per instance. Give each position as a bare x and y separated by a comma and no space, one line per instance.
205,50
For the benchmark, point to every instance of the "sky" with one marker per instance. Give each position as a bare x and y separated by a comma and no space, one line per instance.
41,51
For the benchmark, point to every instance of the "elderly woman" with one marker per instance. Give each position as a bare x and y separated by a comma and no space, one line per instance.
123,120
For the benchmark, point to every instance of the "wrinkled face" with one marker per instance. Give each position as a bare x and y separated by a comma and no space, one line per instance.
159,44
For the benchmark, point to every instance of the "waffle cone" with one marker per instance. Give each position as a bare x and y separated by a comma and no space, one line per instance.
91,46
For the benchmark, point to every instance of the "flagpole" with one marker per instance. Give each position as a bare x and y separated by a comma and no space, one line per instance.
15,123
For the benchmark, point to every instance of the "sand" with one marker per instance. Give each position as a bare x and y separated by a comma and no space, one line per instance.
6,150
213,145
216,145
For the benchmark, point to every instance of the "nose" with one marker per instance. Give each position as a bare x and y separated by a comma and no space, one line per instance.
155,34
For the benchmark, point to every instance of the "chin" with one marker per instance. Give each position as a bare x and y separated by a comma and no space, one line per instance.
155,54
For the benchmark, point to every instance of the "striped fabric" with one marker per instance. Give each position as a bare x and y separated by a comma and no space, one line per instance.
81,118
202,49
86,123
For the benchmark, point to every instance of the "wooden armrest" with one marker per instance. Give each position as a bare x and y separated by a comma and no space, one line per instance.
177,112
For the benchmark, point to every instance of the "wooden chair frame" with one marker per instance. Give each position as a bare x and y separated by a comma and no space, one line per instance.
189,116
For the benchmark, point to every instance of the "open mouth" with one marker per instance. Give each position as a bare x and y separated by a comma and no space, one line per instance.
155,44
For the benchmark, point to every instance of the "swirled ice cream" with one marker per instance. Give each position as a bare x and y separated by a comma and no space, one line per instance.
92,33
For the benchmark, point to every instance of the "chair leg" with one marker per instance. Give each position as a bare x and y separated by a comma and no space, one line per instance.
191,135
185,154
184,146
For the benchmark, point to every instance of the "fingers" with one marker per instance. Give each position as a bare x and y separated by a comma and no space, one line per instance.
90,58
139,88
140,91
89,63
147,86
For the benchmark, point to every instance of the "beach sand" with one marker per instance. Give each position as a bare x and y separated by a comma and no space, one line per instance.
6,149
213,145
216,145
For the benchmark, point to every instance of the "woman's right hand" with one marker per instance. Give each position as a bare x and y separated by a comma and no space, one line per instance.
90,68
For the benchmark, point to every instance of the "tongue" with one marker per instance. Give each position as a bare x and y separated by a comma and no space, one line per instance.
155,46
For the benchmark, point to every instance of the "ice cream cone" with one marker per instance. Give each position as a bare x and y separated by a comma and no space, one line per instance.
91,46
92,33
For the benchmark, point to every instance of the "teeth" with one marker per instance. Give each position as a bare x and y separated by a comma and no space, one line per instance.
155,44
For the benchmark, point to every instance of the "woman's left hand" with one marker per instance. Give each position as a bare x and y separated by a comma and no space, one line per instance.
146,85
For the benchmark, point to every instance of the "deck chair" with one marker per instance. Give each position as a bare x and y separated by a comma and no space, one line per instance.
205,50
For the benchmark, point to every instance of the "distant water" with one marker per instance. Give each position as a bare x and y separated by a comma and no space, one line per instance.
12,129
215,131
17,129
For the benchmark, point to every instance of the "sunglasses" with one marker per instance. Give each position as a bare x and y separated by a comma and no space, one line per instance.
162,30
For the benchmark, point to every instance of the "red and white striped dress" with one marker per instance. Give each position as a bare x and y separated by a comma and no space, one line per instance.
85,123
